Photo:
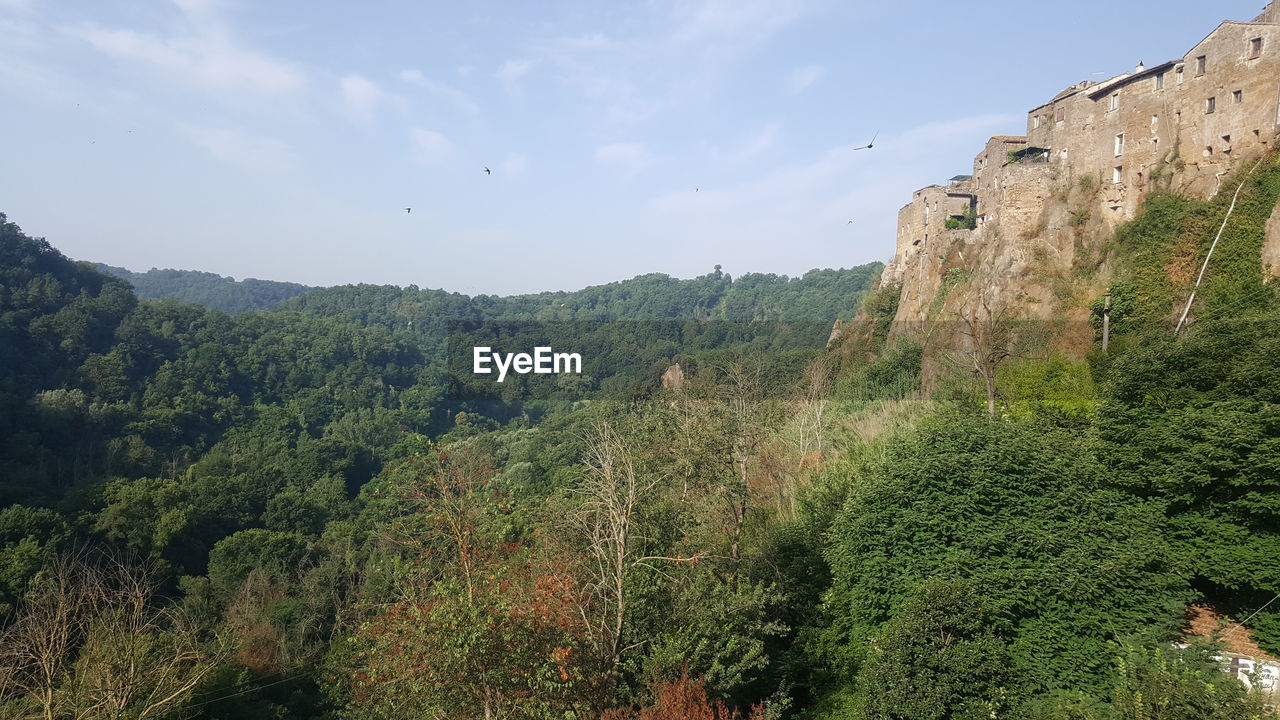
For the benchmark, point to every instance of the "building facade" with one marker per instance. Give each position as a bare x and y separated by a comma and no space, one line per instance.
1089,157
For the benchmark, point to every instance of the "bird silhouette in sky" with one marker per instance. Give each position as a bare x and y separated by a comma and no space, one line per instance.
408,210
871,144
849,223
486,171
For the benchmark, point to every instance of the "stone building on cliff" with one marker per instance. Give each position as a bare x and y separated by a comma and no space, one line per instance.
1089,157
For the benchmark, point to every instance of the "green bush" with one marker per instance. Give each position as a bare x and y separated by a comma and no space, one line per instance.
1021,511
967,220
1054,387
234,557
939,658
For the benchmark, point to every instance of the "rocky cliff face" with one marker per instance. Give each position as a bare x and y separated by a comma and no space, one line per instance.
1030,229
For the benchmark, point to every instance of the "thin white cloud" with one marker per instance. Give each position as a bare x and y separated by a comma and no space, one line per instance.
802,78
968,130
198,7
817,198
429,145
209,59
22,66
514,166
741,150
734,23
512,71
360,94
32,78
237,148
626,158
909,156
453,96
750,146
673,55
208,54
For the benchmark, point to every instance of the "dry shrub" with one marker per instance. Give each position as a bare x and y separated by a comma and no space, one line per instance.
682,698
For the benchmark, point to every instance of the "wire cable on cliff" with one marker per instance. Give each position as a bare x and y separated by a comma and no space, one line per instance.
1185,311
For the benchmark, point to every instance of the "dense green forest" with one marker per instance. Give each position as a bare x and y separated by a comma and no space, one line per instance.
817,295
208,289
317,511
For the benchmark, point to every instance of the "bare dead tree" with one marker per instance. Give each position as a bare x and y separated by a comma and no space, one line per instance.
36,649
748,415
91,641
781,461
688,410
989,329
612,492
444,505
722,420
812,405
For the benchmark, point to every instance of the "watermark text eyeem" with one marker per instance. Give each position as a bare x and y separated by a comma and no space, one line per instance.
542,362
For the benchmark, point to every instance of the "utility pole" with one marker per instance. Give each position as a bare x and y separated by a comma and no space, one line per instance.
1106,319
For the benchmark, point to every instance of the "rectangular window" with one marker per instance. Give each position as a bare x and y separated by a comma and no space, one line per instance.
1035,122
1237,97
1155,142
1119,144
1117,174
1155,120
1177,74
1159,81
1060,115
1114,103
1255,48
1210,105
1201,65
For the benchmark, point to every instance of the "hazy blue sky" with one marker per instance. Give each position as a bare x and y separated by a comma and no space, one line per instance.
284,139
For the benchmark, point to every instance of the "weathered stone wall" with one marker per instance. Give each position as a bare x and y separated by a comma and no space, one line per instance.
987,165
1009,198
1270,15
922,221
1271,247
1109,144
1171,122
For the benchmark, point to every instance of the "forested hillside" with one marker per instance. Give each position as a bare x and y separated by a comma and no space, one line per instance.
208,289
819,295
318,511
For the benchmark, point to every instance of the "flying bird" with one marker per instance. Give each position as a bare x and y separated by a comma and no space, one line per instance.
486,171
849,223
871,144
408,210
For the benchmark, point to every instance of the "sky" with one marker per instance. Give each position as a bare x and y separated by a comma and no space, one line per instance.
283,140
